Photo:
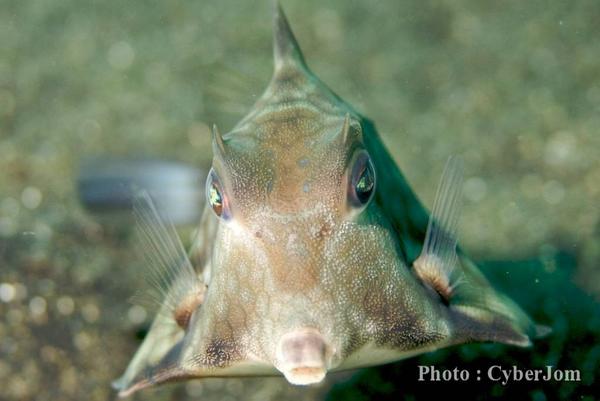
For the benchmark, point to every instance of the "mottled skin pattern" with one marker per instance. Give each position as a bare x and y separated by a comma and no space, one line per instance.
296,257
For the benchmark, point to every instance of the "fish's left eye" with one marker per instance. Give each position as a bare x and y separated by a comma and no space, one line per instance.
362,180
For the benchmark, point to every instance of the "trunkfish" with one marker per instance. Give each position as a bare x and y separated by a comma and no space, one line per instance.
313,254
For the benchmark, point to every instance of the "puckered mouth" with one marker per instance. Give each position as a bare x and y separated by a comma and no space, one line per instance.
303,356
306,375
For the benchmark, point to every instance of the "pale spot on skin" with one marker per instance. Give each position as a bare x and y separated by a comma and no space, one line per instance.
303,162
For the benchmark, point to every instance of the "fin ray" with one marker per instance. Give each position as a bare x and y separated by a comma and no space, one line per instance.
170,272
437,263
442,230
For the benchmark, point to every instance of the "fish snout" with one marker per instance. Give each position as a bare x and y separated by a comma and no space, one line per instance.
303,356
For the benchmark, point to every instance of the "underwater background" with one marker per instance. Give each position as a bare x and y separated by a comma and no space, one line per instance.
513,87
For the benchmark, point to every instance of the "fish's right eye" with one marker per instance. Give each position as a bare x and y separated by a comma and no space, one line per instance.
214,195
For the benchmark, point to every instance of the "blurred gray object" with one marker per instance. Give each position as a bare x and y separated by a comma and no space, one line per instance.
108,185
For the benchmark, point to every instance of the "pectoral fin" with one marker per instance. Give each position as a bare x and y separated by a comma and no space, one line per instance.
174,284
437,264
478,312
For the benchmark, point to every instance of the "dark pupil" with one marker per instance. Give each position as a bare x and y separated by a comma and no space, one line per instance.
365,183
216,201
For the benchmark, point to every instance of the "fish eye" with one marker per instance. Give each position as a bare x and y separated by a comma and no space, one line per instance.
362,180
214,195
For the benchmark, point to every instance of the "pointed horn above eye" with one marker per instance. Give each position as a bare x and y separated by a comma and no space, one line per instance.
343,135
218,144
285,47
345,128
